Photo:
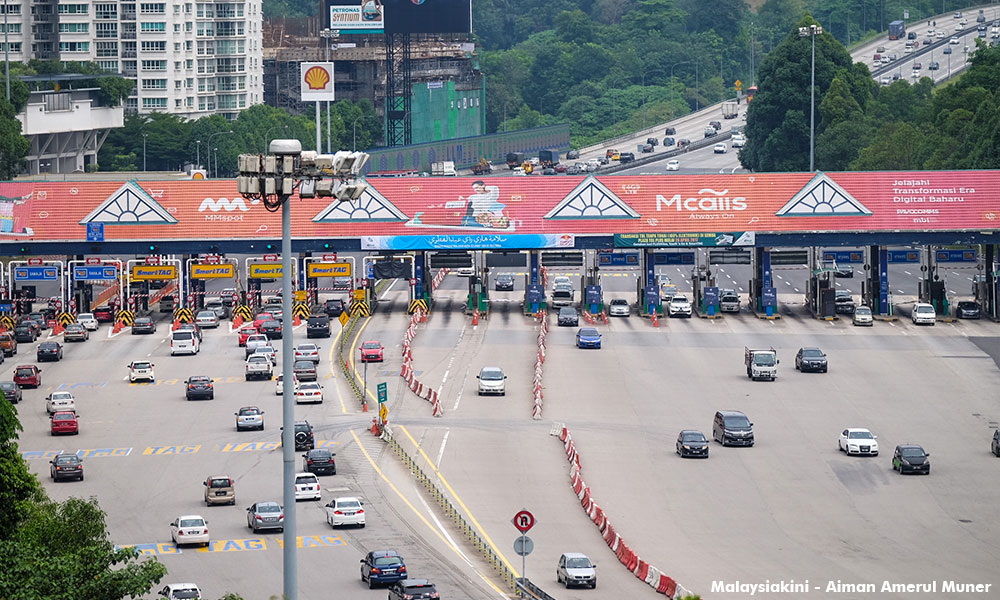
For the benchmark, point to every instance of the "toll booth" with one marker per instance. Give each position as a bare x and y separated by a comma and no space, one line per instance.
709,302
931,288
763,295
647,287
875,287
534,291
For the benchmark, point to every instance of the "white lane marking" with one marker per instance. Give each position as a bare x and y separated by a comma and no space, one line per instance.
444,379
796,289
741,288
458,398
778,276
148,355
444,441
444,531
386,292
952,292
901,291
907,272
788,283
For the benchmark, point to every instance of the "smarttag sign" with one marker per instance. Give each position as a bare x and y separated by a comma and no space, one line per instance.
319,269
95,273
220,271
265,271
36,273
153,272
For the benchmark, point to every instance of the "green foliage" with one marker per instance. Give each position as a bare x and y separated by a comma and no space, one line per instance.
18,487
13,146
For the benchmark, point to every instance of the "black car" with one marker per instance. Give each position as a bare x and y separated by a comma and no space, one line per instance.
670,131
304,436
382,566
626,157
199,387
668,141
843,302
911,458
412,589
40,318
652,141
11,391
143,325
318,326
968,309
811,359
272,329
568,316
573,155
912,35
716,125
692,443
305,370
66,466
319,461
25,333
49,351
994,445
683,143
333,307
504,282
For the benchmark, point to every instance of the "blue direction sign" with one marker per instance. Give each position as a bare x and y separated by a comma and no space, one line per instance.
673,258
6,307
95,232
608,259
96,273
36,273
904,256
844,257
955,255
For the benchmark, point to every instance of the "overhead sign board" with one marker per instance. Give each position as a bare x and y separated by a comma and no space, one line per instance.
95,232
219,271
265,271
904,256
844,257
36,273
96,273
608,259
955,255
153,272
697,239
323,269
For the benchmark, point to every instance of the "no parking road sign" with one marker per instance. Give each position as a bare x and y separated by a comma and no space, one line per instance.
523,521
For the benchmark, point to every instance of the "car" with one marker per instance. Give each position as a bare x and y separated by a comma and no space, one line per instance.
908,50
959,27
568,316
262,317
382,566
255,341
189,529
939,34
729,300
64,421
611,154
574,568
683,143
717,125
244,333
855,440
673,164
265,515
412,589
947,50
272,302
268,351
308,352
219,489
880,49
141,370
504,282
304,438
588,337
103,314
258,367
912,35
11,391
8,344
670,131
249,417
679,306
143,325
719,148
934,66
372,351
333,307
619,307
967,309
320,461
646,148
811,359
271,329
738,140
732,428
305,370
60,401
27,375
593,165
863,316
957,15
217,308
66,466
318,326
576,169
229,297
669,141
207,318
995,443
199,387
917,66
560,168
843,270
76,332
691,443
492,381
342,283
896,76
572,155
711,131
25,333
548,171
184,341
40,318
923,313
279,381
306,487
626,157
911,458
345,511
953,40
843,302
311,392
561,280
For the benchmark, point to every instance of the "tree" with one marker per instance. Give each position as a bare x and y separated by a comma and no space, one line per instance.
18,487
895,149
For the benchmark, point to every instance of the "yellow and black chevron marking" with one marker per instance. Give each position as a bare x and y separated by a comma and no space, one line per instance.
66,318
243,311
360,308
7,321
127,317
415,304
184,315
300,310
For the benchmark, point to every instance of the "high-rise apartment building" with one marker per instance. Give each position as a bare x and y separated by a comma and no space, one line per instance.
187,58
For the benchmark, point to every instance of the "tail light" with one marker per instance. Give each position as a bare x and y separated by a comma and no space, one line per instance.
309,461
337,512
407,596
281,516
376,570
361,511
258,517
435,595
402,569
191,386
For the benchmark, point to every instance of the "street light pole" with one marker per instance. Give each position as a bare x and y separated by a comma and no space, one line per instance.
210,149
197,160
354,134
6,49
144,152
812,31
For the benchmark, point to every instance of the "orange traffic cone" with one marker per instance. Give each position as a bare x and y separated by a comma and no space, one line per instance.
177,324
117,328
237,322
296,321
656,321
475,317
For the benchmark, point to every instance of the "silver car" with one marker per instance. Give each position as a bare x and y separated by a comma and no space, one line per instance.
249,417
266,515
863,316
206,318
619,308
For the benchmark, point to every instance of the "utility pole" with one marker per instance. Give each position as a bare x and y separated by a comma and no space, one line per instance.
812,31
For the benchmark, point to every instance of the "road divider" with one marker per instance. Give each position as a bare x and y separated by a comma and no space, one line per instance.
543,330
416,386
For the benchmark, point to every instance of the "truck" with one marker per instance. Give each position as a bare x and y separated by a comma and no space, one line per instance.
730,109
482,167
897,30
514,160
761,364
444,169
548,158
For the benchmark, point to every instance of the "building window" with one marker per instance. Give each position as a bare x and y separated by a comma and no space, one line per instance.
154,102
12,46
154,46
178,102
13,9
106,30
154,84
73,9
177,84
152,9
11,27
74,46
110,66
153,27
107,49
206,29
74,27
154,65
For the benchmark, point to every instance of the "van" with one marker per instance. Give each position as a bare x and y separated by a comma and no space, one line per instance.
167,304
184,342
219,490
318,326
732,428
8,344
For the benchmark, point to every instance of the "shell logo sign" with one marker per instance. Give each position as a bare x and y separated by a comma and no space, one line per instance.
316,81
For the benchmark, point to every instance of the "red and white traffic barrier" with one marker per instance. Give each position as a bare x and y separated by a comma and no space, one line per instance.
416,386
438,278
543,329
626,556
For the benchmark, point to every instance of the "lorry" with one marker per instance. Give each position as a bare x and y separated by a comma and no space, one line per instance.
482,167
761,364
514,160
548,158
897,30
444,169
730,109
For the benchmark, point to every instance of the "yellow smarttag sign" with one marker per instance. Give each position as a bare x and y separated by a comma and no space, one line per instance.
318,269
153,272
202,271
265,271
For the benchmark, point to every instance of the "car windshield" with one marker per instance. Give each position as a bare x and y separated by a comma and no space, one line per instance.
863,310
860,435
491,374
303,364
7,385
206,314
589,332
383,561
249,411
24,373
680,300
220,483
309,387
619,302
268,508
63,417
692,437
85,316
184,595
199,379
143,321
68,459
192,523
763,359
307,348
371,345
348,504
62,396
182,335
577,563
912,451
567,311
319,455
812,353
141,365
257,358
925,309
737,422
302,427
306,479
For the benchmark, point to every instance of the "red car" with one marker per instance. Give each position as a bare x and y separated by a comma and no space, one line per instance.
372,351
27,375
262,318
104,314
245,332
65,421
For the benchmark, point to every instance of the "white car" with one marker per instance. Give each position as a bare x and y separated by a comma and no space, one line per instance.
345,511
269,352
939,34
207,318
309,392
673,164
923,313
909,50
492,381
57,401
739,141
181,591
258,367
88,321
855,440
679,306
189,529
465,272
561,280
863,316
141,370
959,27
307,352
619,308
954,40
279,384
885,80
720,148
306,486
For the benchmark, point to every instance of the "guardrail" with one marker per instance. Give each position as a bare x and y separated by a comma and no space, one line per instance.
652,131
345,333
525,589
696,145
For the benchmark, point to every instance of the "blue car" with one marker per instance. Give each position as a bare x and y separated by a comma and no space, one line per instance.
382,567
588,337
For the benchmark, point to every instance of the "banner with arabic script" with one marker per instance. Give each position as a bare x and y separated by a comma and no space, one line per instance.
497,241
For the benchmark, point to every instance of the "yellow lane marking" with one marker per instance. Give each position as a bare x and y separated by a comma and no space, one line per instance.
354,365
333,369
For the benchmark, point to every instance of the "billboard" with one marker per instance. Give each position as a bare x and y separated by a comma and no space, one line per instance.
355,16
399,16
153,272
316,81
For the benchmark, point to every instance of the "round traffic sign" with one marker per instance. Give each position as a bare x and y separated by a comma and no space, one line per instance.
413,281
364,283
190,298
131,301
523,545
523,521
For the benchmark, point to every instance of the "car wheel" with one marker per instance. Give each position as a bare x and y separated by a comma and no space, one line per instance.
371,584
81,476
281,530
